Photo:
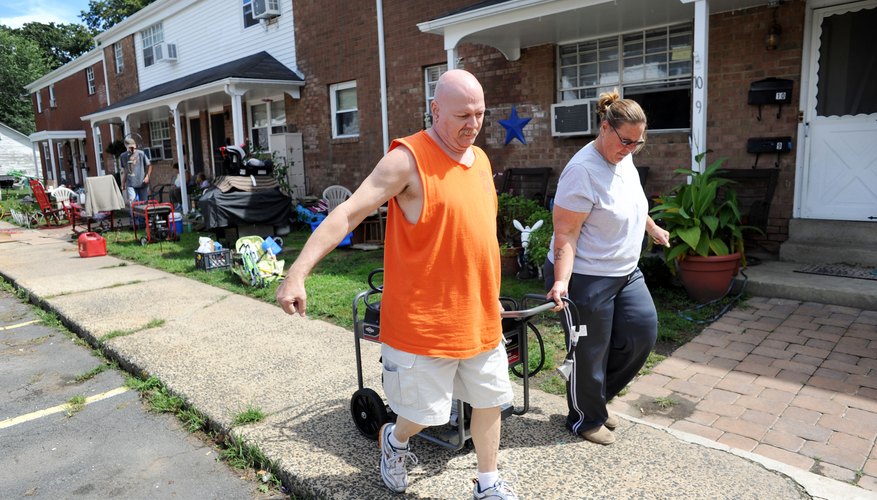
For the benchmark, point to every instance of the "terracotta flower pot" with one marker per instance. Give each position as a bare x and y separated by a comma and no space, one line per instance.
708,278
509,260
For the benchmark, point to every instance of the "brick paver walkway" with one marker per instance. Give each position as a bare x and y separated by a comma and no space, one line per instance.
792,381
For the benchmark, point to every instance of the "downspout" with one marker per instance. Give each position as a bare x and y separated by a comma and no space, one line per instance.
699,95
382,62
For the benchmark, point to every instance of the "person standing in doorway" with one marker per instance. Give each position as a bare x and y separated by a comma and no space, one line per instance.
600,216
136,171
441,235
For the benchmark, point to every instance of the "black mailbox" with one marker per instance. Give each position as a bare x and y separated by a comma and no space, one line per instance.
759,145
769,145
770,91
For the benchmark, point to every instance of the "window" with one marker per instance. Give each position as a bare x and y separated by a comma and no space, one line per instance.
39,95
267,118
160,140
151,36
52,102
249,20
119,57
100,149
89,77
345,116
652,67
430,76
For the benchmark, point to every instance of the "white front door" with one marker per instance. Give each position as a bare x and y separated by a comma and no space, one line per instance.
839,177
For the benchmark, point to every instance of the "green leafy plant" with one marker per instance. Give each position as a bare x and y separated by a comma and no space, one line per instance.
702,218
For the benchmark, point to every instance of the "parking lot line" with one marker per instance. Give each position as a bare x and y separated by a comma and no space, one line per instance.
9,422
10,327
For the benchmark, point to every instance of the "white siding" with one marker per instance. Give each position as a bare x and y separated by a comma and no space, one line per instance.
211,32
15,154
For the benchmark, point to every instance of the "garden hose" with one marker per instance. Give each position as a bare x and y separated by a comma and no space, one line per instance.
734,300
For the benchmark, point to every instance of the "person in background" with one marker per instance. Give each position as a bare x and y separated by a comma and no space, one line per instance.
600,215
136,171
201,181
441,216
177,193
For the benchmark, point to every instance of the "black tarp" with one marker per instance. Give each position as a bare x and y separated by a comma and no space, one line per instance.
266,207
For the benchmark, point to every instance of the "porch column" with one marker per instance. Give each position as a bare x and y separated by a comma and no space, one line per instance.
52,154
452,58
181,172
237,116
697,141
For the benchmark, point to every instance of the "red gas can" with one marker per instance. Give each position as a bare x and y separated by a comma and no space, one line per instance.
92,245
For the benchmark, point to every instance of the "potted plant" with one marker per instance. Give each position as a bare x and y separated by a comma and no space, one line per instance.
706,233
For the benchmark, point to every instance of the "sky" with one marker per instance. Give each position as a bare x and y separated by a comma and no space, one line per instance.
15,13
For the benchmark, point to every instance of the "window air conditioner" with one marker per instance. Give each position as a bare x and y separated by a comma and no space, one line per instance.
166,52
266,9
573,118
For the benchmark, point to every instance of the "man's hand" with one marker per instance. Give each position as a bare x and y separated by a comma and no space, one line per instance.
291,296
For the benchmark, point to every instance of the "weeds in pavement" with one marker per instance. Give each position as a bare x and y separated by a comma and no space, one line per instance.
665,402
94,372
192,419
248,416
75,405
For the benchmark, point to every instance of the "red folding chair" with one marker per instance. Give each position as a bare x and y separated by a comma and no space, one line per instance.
51,213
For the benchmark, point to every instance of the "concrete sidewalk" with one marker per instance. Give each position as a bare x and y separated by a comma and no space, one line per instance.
223,352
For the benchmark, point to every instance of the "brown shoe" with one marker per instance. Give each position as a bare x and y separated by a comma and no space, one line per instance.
599,435
611,423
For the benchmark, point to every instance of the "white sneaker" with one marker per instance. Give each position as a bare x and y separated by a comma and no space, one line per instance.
393,470
500,490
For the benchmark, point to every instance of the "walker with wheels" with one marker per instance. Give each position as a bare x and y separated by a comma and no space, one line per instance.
370,413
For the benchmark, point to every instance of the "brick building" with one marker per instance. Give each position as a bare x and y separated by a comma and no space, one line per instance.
344,81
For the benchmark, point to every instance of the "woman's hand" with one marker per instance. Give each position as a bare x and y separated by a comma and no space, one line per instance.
557,292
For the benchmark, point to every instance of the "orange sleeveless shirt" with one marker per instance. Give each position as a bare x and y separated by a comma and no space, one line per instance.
442,274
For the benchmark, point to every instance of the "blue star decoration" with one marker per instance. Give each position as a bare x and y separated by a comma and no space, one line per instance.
514,127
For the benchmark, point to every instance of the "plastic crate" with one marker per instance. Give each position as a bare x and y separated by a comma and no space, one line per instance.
213,260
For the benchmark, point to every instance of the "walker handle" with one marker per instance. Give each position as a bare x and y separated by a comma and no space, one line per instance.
526,313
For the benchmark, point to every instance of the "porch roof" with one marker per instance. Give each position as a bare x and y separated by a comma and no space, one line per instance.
257,69
56,135
512,25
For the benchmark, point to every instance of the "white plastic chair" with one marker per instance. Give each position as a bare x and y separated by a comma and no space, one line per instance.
335,195
62,196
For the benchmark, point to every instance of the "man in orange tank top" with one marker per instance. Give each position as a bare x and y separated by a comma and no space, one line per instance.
440,314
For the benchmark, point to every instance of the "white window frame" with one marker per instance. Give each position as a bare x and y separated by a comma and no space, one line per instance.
614,51
52,102
160,140
431,76
248,18
89,78
39,95
100,149
275,110
335,112
47,156
151,37
119,57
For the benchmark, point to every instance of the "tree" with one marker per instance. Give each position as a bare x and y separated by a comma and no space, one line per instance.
104,14
21,62
61,43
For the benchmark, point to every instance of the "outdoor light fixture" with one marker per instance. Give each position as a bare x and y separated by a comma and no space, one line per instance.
773,34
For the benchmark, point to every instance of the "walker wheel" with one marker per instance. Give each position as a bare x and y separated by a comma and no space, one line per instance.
368,412
143,240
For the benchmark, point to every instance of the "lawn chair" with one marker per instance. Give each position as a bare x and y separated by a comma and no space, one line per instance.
50,212
102,197
335,195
